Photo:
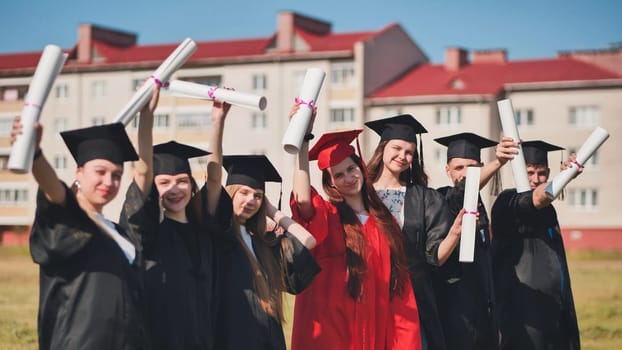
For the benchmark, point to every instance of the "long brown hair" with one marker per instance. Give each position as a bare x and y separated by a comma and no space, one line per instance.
268,274
413,175
355,241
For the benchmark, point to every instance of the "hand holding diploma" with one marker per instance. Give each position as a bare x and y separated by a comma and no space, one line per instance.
508,124
172,63
49,67
593,142
469,220
194,90
294,135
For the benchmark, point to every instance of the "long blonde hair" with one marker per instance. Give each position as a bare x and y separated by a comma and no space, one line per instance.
268,277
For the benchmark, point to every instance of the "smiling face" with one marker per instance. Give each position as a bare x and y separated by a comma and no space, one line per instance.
175,191
99,181
456,168
346,177
246,203
398,155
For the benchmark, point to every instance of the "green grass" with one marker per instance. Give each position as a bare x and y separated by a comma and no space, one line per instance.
596,282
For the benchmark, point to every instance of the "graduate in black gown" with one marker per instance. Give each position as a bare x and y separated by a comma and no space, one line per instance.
165,210
397,172
256,266
465,291
89,290
535,306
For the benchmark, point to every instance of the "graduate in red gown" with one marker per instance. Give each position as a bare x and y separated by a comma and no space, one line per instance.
362,298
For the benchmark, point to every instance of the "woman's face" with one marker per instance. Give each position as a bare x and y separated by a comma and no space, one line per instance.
175,191
398,155
246,203
99,181
346,177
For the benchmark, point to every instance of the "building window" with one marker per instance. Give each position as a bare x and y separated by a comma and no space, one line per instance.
60,124
13,93
449,116
342,74
198,120
584,116
6,125
260,82
440,155
341,115
260,121
60,162
98,121
211,80
62,91
4,162
523,117
590,163
160,120
12,196
583,199
99,88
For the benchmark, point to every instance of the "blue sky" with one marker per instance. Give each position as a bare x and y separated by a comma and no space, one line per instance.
526,28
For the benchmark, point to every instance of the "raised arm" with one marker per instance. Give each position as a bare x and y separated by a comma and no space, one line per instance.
540,197
449,243
143,168
302,182
42,171
505,151
214,160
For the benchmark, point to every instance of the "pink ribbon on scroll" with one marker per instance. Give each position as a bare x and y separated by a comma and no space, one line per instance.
303,102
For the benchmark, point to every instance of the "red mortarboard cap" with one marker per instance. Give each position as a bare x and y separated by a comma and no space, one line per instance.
333,147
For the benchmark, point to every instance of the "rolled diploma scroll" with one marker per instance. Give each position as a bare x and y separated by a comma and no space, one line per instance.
294,135
508,124
172,63
201,91
469,220
49,67
593,142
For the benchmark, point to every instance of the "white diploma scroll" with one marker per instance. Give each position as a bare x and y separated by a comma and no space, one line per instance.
508,124
49,67
141,97
469,220
294,135
593,142
194,90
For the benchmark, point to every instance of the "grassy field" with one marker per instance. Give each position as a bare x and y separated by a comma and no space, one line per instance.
596,282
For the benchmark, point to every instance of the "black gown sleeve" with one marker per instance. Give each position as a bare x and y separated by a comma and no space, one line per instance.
140,217
437,223
59,231
300,267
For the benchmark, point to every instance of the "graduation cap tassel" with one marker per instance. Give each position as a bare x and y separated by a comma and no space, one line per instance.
421,151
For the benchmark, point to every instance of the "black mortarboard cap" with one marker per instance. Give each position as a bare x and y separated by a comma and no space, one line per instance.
535,152
465,145
109,141
402,127
171,158
250,170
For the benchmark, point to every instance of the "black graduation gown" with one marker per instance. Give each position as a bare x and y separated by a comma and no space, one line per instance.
465,290
179,277
534,299
242,323
89,293
426,222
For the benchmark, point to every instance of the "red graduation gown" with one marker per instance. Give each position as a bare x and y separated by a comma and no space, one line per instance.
326,317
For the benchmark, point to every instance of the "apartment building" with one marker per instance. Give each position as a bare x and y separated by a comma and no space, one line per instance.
370,74
560,100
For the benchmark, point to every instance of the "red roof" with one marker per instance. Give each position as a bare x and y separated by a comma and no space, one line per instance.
489,78
112,55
